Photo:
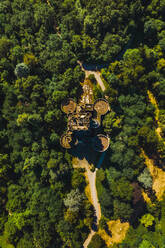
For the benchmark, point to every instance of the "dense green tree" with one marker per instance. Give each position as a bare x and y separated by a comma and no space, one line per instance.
106,203
145,178
16,198
74,200
148,138
21,70
5,45
121,189
97,242
41,42
122,210
25,241
146,244
147,220
150,29
77,180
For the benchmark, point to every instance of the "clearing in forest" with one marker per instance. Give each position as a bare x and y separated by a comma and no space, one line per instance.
158,176
146,197
154,102
118,231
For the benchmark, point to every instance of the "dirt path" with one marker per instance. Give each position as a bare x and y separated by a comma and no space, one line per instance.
91,176
154,102
92,184
97,75
92,191
158,176
87,241
91,179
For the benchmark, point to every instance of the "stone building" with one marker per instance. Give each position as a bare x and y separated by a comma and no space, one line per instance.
83,122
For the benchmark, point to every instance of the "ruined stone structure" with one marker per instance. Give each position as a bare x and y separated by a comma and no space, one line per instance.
84,118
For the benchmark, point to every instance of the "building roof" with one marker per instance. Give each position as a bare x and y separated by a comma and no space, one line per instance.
83,117
101,106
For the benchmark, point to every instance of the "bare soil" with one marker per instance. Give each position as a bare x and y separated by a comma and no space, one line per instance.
154,102
118,231
158,176
90,191
101,107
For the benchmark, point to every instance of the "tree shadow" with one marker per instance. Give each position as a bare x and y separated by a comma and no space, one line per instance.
138,204
84,150
158,161
94,66
108,231
94,224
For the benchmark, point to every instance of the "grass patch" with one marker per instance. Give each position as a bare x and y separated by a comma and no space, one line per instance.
146,197
118,231
158,176
154,102
88,194
4,244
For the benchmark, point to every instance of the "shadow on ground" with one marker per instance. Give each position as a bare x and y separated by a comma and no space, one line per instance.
94,225
84,150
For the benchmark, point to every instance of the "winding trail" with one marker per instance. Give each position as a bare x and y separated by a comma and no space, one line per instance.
92,184
91,176
87,241
91,179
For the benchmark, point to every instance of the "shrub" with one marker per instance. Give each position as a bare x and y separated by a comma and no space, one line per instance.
145,178
97,242
21,70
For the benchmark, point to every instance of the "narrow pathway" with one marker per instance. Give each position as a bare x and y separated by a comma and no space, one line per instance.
91,179
92,184
87,241
91,176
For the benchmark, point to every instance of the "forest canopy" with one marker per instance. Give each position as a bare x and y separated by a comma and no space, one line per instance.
42,197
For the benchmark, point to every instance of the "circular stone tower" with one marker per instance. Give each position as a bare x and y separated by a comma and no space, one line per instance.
101,106
100,143
66,141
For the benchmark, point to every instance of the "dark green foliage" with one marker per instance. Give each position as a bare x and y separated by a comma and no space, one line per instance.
5,45
103,195
21,70
97,242
73,201
42,198
78,180
148,138
122,210
145,178
121,189
25,241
